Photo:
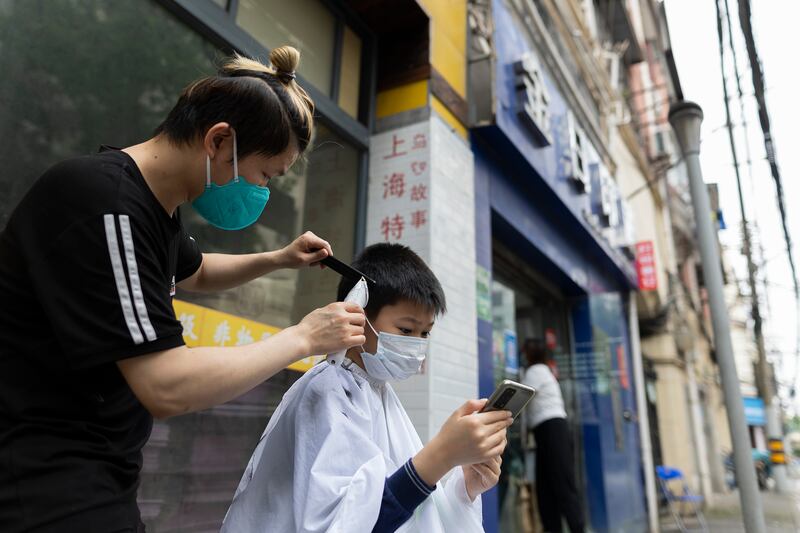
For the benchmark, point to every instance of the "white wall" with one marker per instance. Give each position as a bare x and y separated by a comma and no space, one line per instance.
447,243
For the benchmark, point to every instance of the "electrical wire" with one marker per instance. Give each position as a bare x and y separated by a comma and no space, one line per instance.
757,73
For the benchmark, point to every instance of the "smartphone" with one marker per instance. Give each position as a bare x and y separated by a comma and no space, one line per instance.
509,396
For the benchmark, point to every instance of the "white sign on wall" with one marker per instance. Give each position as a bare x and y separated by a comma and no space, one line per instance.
399,187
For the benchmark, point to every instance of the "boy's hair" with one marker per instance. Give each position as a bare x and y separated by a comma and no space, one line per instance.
399,274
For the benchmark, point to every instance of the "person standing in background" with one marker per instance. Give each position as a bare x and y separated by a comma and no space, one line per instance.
556,489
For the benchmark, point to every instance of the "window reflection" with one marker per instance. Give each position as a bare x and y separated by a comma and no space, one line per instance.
305,24
193,463
83,73
350,76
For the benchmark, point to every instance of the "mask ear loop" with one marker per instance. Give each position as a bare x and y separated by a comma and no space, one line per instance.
370,327
235,158
377,335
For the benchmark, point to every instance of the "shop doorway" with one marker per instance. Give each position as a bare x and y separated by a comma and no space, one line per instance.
526,305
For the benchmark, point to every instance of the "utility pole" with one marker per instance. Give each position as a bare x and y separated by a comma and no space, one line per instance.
774,426
686,118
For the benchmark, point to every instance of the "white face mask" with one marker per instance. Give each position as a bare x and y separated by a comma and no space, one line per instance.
397,357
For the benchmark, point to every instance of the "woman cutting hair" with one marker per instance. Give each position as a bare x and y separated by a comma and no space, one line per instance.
90,348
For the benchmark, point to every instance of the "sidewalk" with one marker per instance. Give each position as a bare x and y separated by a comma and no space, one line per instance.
781,511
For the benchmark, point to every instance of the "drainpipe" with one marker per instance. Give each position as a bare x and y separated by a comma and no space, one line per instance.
644,419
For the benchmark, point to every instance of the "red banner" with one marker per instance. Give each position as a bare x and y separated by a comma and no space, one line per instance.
646,266
550,338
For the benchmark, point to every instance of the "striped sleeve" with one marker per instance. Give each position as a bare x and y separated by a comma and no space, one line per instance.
105,288
402,493
126,274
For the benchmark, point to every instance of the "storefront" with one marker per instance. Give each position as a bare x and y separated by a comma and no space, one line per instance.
544,268
527,307
88,72
554,261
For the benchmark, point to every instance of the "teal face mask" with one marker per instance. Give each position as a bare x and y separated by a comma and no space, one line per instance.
232,206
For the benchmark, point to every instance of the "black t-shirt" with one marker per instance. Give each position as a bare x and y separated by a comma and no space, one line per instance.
88,266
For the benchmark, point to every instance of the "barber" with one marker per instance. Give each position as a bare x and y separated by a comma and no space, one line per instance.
90,349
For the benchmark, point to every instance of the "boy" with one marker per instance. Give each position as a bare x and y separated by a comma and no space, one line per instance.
340,453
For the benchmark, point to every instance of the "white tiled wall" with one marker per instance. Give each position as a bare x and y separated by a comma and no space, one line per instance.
447,244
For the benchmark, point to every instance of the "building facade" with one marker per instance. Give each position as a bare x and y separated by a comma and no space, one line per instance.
688,423
556,235
504,140
390,161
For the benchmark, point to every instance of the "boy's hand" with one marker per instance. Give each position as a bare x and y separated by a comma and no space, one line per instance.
470,437
481,477
466,438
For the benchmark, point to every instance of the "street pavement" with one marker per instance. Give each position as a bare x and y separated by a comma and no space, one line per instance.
724,515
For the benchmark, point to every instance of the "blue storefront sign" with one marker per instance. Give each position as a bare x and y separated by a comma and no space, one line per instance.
754,412
561,215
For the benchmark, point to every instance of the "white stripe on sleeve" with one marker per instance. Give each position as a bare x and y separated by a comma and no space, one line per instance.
119,278
133,274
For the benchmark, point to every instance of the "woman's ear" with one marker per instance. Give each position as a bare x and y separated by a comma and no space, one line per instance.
216,134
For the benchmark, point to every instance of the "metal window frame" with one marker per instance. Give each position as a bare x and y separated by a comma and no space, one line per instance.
204,16
209,20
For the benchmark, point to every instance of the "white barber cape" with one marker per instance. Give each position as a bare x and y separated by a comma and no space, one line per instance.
322,462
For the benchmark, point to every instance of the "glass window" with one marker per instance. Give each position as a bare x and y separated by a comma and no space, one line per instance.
350,76
193,463
539,312
305,24
125,67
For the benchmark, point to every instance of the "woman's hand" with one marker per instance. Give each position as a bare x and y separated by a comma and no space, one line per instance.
332,328
481,477
307,249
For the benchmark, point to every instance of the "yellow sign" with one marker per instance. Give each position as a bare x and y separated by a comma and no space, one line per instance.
776,445
207,327
776,452
777,458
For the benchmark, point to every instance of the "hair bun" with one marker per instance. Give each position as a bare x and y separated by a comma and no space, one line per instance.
278,77
285,60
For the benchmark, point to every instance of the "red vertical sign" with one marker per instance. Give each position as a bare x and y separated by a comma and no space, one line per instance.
550,338
646,266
